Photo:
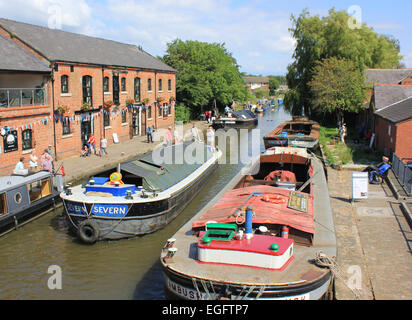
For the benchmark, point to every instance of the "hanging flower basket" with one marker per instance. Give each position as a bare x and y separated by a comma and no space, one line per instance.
160,99
85,107
145,101
129,102
61,110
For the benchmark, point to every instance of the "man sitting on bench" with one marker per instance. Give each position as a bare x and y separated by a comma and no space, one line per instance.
378,171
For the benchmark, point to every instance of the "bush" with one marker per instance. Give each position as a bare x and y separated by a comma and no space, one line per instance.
182,113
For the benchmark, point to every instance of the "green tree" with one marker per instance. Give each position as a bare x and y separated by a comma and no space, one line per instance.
205,72
319,38
261,93
337,86
273,85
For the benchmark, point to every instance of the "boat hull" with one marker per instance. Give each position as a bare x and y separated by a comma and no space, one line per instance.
181,287
141,218
235,124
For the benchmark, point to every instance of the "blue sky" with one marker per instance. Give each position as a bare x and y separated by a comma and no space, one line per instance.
254,31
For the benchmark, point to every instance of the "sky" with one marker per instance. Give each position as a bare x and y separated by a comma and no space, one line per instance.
254,31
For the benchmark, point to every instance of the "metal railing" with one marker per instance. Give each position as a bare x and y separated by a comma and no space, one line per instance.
403,173
22,97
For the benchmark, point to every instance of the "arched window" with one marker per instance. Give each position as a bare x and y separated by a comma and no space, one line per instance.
149,84
64,84
149,112
160,85
169,85
136,90
87,90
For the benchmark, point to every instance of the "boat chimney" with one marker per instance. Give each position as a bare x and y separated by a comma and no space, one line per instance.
248,222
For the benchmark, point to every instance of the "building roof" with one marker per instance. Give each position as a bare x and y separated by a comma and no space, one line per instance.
14,58
385,95
58,45
397,112
256,79
387,76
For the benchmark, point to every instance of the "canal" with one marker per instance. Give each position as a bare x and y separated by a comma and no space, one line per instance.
124,269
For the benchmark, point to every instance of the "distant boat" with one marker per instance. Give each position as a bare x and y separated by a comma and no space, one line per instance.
299,132
24,197
267,235
139,196
237,119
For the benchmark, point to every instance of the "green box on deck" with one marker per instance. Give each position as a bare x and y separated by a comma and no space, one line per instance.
219,231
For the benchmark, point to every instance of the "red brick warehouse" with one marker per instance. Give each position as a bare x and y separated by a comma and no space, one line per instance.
93,85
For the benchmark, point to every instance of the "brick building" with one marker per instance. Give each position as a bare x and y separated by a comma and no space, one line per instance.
390,111
95,86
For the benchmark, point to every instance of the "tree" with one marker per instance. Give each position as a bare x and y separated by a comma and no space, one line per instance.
337,87
205,72
261,93
273,85
331,36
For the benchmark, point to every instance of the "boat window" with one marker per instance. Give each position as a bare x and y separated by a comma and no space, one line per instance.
17,197
39,189
3,204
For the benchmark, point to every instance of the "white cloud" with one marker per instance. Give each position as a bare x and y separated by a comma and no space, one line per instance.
247,32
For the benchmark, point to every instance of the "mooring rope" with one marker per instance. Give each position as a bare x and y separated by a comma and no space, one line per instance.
322,260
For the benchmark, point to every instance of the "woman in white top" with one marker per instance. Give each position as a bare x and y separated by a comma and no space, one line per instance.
210,134
33,161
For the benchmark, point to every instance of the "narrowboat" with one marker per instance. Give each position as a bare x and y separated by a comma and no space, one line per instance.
236,120
269,234
299,132
139,196
24,197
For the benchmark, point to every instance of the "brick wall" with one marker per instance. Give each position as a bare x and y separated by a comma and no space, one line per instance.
404,139
69,145
19,118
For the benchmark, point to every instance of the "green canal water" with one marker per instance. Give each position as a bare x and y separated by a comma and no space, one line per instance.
123,269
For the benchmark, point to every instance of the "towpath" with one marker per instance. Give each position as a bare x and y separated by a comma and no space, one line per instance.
374,241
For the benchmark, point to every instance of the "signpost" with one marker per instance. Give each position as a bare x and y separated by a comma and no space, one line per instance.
360,183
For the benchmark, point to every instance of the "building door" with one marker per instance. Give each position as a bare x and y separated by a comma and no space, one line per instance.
116,90
85,129
135,125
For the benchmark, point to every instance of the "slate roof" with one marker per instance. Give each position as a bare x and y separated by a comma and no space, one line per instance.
397,112
14,58
256,79
58,45
386,95
388,76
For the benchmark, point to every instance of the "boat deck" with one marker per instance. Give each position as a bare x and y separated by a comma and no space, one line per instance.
301,269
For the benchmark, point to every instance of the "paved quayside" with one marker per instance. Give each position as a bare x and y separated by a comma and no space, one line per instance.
373,237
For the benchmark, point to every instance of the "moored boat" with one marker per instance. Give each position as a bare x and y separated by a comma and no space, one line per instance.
24,197
266,235
299,132
140,196
237,119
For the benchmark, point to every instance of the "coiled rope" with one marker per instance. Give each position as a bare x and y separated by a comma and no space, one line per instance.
324,261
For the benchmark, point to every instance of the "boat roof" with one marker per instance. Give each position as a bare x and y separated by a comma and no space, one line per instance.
160,175
284,213
12,181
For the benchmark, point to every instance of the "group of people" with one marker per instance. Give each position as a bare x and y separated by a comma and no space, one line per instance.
173,137
210,116
91,145
46,162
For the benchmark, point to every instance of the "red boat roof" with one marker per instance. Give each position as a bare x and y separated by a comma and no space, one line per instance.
265,212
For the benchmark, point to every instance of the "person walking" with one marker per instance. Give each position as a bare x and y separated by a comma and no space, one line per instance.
210,135
103,146
195,134
152,131
169,136
149,130
92,141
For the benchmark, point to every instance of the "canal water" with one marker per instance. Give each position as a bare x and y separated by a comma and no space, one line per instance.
123,269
